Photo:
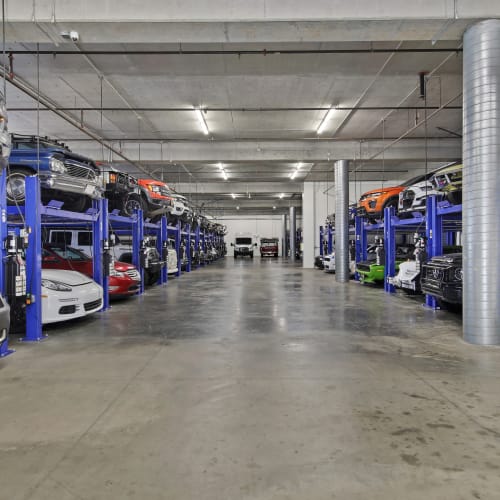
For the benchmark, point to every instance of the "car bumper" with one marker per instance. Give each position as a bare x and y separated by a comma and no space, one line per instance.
70,184
62,306
123,286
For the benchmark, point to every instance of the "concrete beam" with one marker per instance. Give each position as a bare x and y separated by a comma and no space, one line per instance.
223,21
207,188
286,151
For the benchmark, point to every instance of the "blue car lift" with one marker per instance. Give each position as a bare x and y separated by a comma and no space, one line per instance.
4,346
37,215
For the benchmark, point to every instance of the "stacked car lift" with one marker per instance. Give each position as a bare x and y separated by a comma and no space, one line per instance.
34,216
442,220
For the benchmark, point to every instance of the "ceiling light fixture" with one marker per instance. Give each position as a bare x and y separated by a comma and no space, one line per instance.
281,195
325,120
220,166
237,208
202,121
274,208
224,174
294,174
233,196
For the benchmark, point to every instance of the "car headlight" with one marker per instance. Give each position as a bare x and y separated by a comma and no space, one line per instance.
57,165
459,273
56,286
117,274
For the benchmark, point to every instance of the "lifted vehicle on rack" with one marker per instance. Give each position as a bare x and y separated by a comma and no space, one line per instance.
156,197
122,191
64,175
269,247
442,277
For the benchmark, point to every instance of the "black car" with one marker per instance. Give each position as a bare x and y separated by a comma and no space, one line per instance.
442,278
122,191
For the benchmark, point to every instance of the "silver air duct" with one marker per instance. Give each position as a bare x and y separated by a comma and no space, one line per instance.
293,230
481,183
342,221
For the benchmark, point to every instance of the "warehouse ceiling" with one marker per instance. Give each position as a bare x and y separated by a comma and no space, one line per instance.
261,103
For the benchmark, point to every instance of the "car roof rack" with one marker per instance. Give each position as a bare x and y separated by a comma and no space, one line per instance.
26,138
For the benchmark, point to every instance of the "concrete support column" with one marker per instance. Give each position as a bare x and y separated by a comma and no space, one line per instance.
481,183
293,230
309,229
342,221
284,246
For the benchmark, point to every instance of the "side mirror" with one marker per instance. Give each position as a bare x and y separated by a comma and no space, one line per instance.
255,244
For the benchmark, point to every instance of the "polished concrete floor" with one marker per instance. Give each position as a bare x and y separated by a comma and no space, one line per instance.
253,380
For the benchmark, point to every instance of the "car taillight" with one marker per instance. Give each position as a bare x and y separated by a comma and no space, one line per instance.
112,177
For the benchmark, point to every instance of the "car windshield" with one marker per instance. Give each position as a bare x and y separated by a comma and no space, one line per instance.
243,241
268,242
69,253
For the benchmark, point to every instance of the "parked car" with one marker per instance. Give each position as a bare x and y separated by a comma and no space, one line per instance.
64,175
68,295
122,191
4,320
449,182
269,247
243,245
329,265
414,197
373,269
157,198
442,277
372,203
124,278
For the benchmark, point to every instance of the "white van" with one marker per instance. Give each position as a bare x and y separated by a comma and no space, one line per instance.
244,244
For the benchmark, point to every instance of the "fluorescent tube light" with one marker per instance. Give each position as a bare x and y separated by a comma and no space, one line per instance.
325,121
294,174
201,119
224,175
233,196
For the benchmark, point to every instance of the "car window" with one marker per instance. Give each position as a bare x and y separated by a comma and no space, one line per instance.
61,237
69,253
84,238
243,241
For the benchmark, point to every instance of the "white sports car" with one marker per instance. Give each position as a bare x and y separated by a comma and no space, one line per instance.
68,295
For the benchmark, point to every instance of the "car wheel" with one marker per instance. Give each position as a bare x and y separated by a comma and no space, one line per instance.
151,278
391,202
235,255
132,203
454,197
16,185
251,255
77,204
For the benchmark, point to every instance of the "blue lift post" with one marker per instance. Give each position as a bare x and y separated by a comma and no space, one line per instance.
390,248
178,237
360,241
161,243
137,239
330,239
4,346
434,233
100,228
188,247
197,244
33,221
321,240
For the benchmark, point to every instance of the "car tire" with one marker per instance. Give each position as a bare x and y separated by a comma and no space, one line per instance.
16,185
77,204
131,203
251,255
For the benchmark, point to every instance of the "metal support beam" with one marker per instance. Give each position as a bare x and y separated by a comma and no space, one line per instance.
284,246
390,249
293,231
342,273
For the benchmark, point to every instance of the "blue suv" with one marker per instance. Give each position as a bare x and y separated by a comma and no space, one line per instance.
64,175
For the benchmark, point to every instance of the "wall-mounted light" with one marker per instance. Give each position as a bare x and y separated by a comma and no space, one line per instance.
325,120
201,119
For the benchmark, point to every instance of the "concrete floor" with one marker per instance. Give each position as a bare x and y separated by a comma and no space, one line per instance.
253,380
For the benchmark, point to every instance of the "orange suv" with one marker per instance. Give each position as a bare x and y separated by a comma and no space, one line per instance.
372,203
157,197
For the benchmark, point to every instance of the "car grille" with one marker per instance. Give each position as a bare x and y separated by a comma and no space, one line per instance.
92,305
67,309
362,266
77,170
133,274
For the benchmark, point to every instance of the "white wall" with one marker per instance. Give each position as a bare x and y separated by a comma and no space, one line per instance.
258,226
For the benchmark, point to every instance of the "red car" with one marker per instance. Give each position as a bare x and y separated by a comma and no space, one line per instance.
124,279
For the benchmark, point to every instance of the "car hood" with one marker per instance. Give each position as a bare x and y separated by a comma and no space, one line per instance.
123,266
72,278
382,189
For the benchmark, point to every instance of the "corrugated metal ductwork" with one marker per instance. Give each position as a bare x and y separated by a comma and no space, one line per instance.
481,183
342,221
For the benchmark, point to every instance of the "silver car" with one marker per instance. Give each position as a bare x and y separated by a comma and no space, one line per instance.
4,319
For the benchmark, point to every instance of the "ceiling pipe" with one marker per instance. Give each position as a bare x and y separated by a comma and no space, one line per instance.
262,52
242,110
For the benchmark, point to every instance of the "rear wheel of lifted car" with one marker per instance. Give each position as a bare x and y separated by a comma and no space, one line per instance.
77,204
16,185
132,203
